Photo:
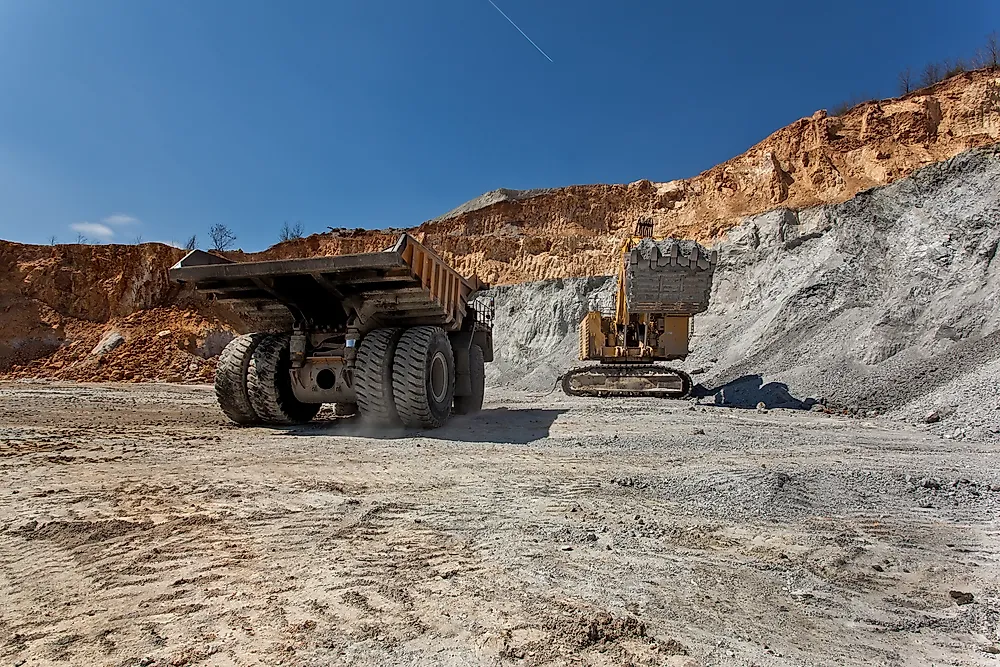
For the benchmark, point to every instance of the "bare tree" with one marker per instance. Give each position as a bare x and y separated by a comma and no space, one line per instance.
80,238
192,242
978,60
222,237
137,240
992,54
289,232
905,81
931,75
845,106
53,240
951,69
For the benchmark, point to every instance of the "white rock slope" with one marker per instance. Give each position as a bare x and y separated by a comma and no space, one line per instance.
871,304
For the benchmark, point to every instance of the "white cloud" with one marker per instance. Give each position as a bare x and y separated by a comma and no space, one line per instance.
94,229
120,219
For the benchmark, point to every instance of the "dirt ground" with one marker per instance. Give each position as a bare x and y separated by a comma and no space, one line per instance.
138,528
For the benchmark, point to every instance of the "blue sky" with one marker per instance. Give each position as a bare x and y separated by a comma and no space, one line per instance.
161,118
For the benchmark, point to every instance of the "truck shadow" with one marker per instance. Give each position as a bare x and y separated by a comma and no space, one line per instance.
750,390
499,425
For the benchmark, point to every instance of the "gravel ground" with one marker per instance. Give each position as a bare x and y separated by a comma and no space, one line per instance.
137,527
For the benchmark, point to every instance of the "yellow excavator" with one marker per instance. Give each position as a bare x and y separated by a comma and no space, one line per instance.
662,284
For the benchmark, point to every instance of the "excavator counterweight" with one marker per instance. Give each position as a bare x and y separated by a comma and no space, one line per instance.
662,284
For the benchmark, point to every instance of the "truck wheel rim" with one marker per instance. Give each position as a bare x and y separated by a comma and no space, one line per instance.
439,377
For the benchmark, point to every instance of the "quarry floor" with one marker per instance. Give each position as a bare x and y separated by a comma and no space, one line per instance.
139,528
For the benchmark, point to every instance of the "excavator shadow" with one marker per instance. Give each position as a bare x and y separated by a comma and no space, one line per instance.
749,391
499,425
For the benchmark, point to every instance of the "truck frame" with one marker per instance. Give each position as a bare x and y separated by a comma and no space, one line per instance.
398,335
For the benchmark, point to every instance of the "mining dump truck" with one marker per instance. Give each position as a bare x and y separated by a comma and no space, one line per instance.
398,335
662,284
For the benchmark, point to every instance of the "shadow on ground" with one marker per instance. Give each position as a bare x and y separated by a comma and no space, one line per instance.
500,425
750,390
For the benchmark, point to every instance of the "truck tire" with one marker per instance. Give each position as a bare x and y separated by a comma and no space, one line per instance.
373,376
231,378
467,405
423,377
269,385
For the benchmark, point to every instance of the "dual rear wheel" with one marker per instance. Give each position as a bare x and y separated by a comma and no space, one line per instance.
403,377
252,383
407,377
423,377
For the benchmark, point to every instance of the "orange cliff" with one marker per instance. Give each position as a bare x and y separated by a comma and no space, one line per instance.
56,303
568,232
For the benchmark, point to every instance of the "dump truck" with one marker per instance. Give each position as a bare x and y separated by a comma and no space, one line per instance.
398,336
662,284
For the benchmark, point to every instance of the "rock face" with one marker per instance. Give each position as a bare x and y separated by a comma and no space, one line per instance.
886,303
515,236
51,296
89,282
86,312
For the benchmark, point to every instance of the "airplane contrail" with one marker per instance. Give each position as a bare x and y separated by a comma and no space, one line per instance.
520,31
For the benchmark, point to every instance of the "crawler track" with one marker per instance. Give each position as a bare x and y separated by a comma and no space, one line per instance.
627,380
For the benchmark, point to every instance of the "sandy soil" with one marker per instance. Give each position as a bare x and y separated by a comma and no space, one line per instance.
138,528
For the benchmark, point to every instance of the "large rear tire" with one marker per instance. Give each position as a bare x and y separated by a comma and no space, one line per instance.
373,376
467,405
269,385
231,378
423,377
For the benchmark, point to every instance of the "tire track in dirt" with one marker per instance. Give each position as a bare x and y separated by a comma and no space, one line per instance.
92,566
533,546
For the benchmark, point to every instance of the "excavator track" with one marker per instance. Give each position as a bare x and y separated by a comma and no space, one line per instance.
609,380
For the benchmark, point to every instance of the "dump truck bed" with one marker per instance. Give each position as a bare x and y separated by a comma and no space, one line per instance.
406,284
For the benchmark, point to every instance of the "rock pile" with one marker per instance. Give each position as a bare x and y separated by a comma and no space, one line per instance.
160,344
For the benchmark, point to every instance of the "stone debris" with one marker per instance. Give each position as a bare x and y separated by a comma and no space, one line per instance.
110,341
961,597
136,350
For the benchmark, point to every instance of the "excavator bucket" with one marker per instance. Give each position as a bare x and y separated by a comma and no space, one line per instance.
669,277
